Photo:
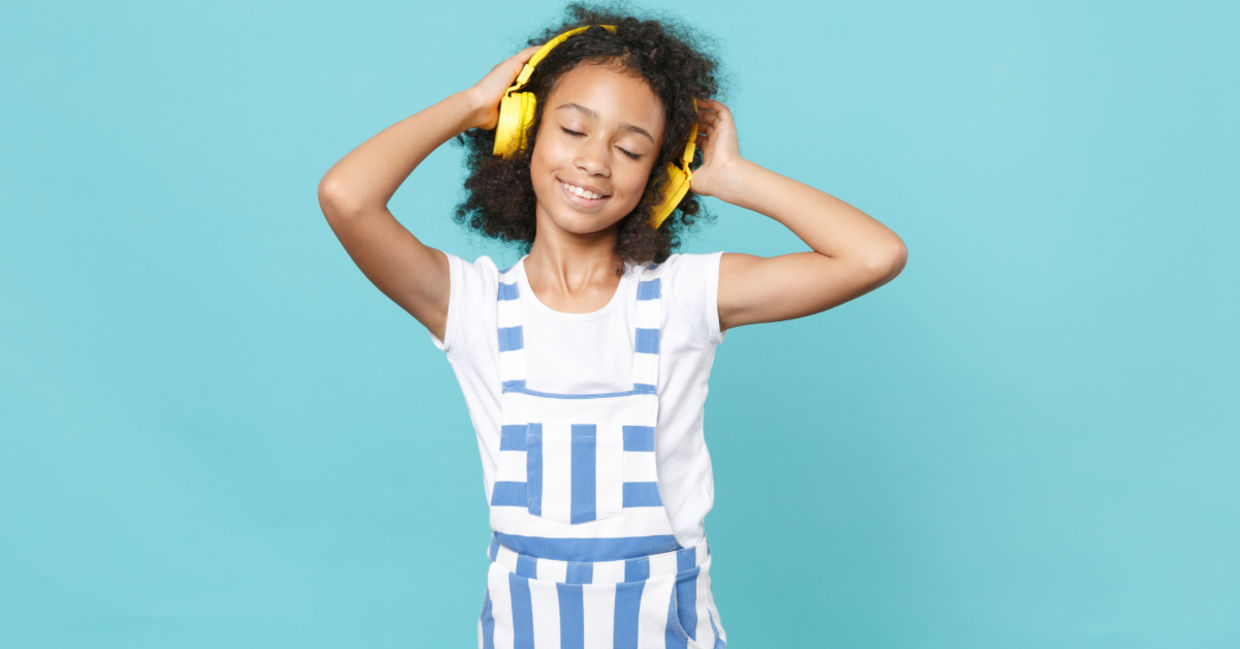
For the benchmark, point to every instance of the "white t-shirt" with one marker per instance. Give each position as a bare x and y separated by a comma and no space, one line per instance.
572,360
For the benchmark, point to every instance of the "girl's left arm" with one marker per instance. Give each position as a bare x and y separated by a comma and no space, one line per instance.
852,255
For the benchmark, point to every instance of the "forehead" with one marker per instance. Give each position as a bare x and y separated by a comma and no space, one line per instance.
617,97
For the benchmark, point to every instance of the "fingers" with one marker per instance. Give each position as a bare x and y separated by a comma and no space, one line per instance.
524,55
707,121
712,116
712,109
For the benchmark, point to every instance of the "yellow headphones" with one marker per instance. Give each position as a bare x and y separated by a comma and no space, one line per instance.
516,115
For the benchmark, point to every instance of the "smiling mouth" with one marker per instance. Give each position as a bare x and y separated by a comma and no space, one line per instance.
570,192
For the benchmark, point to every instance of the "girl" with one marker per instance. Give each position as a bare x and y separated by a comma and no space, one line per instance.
584,365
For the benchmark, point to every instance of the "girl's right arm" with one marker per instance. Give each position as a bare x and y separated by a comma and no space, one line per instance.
354,193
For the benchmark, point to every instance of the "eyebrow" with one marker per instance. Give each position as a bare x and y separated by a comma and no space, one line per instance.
594,115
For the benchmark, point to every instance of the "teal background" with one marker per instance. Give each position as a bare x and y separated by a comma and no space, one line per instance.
217,433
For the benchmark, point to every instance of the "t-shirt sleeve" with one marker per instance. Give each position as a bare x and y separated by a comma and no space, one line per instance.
469,286
694,281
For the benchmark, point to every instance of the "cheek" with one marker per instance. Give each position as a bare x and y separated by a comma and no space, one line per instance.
540,171
544,162
634,195
640,180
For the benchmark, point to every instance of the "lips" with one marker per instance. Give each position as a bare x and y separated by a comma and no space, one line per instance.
589,188
580,201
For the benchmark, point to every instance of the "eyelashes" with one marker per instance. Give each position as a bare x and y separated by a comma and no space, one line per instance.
631,155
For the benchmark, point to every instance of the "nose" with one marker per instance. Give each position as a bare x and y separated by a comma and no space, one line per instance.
592,157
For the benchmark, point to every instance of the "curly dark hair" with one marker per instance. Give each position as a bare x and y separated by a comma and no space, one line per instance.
500,201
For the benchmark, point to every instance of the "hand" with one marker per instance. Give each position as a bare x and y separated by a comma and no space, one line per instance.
487,92
720,151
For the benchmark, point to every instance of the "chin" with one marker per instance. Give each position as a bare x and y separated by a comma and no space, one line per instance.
582,223
570,220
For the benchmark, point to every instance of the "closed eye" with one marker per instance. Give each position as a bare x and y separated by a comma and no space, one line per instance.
631,155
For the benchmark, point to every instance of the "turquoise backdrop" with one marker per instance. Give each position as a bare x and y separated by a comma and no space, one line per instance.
215,432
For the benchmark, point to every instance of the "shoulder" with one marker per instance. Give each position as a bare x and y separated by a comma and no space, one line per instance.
691,282
475,276
689,262
479,272
472,292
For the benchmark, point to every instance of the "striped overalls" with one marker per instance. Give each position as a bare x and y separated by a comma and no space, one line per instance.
582,552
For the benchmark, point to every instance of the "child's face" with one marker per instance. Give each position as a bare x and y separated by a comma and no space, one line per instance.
596,154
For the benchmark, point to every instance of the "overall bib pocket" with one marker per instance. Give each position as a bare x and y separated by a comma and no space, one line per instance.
574,471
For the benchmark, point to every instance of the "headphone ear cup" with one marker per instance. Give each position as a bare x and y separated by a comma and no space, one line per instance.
529,103
678,181
675,186
516,113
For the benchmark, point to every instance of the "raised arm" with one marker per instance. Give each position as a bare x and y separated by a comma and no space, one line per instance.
354,193
852,254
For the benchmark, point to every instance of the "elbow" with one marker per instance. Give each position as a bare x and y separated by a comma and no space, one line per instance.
899,257
891,262
331,198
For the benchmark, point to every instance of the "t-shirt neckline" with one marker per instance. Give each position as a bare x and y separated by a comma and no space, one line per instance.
524,284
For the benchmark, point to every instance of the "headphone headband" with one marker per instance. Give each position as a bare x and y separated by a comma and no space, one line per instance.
542,53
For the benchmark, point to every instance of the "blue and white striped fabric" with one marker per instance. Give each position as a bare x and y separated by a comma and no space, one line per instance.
576,473
583,554
660,601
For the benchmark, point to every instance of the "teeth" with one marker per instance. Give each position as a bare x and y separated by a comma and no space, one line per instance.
581,192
